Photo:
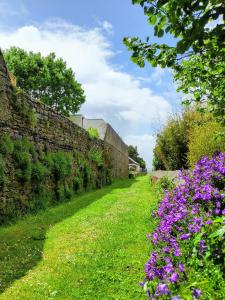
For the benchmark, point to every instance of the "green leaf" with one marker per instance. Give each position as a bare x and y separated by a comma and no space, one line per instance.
152,20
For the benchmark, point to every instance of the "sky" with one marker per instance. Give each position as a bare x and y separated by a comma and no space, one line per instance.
88,35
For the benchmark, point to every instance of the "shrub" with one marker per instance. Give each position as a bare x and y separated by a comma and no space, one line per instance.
93,133
76,184
39,173
205,140
96,156
187,261
60,164
6,144
23,160
171,149
165,183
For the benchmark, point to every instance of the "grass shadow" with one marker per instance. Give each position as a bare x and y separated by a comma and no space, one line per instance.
22,243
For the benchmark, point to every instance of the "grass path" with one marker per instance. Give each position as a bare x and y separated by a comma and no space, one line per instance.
93,247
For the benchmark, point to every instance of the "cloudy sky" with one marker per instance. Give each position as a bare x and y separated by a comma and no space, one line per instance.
88,36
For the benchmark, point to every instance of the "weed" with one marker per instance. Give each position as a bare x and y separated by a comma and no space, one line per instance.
93,133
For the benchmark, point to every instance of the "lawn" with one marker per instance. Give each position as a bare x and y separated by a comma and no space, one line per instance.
93,247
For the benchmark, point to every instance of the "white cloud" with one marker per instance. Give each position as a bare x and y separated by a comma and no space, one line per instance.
145,143
112,93
107,27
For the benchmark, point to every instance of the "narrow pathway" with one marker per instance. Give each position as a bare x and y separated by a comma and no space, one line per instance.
93,247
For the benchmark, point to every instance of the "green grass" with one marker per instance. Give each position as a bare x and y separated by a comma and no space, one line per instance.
93,247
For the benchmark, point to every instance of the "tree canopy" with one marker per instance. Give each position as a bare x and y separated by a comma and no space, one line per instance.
46,78
199,31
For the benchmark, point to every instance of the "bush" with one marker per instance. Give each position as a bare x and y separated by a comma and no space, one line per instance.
96,156
39,173
187,258
171,149
60,164
165,183
23,160
205,140
93,133
6,144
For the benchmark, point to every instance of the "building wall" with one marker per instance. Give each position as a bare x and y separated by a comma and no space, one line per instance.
22,116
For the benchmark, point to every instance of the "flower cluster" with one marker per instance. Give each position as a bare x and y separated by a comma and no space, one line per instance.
185,215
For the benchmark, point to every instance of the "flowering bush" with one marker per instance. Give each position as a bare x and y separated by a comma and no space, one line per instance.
188,257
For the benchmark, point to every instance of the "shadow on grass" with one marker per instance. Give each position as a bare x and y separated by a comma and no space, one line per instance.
22,243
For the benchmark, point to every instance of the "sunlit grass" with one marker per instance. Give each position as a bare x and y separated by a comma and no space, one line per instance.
93,247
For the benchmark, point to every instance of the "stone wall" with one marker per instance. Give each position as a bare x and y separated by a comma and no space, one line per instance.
21,116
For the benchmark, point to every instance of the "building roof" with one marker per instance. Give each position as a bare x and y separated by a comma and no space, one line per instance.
131,160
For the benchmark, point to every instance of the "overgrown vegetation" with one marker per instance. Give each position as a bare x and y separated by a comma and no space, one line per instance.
44,178
185,139
93,133
206,139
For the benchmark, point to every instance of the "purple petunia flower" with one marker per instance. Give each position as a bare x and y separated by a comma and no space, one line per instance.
185,236
162,289
174,278
196,293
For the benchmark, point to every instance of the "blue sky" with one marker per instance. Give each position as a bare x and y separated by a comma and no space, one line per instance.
88,36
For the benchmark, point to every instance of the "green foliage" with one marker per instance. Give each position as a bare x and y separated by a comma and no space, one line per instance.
6,144
166,183
171,150
47,178
205,140
23,108
133,153
86,172
76,184
39,173
93,133
47,78
96,156
2,172
23,160
198,56
60,164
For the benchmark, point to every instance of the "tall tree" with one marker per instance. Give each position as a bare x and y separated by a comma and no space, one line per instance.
46,78
199,31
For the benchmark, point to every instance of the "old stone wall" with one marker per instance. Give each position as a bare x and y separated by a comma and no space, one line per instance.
21,116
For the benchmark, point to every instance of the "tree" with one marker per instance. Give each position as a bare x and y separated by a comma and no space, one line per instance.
133,153
46,78
199,29
171,150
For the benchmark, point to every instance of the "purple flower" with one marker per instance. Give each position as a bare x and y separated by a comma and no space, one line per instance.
162,289
196,293
181,267
185,236
174,278
202,246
